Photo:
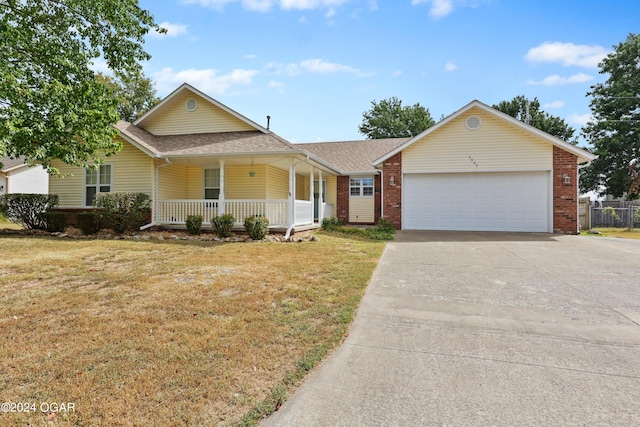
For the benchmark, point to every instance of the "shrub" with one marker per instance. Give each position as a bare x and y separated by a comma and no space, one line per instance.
56,221
222,225
256,226
28,209
194,224
122,211
331,223
385,226
88,222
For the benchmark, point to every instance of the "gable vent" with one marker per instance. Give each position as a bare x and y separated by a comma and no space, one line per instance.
191,104
473,122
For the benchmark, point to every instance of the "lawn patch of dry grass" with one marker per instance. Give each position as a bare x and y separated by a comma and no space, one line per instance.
623,233
169,333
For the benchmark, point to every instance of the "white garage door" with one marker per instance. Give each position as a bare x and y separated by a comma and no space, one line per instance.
476,201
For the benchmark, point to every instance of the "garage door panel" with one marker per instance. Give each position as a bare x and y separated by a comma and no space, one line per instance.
476,201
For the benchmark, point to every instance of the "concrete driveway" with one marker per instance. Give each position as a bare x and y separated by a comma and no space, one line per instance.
479,329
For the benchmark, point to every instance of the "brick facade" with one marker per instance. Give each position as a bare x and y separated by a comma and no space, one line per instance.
342,202
392,203
565,196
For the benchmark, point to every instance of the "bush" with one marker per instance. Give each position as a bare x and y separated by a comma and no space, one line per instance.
88,222
385,226
56,221
123,211
330,224
28,209
222,225
194,224
256,226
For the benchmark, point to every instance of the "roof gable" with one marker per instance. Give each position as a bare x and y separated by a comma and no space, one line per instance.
582,155
188,111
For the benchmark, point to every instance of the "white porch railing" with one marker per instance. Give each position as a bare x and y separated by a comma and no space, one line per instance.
175,212
304,212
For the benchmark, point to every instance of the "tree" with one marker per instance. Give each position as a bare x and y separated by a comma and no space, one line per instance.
389,119
537,118
136,94
51,103
614,131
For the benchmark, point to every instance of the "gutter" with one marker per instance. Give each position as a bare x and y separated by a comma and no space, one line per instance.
155,209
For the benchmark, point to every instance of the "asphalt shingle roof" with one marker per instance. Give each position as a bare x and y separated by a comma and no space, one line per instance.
8,163
206,143
352,156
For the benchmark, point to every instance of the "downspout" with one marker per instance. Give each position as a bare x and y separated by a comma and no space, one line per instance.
156,204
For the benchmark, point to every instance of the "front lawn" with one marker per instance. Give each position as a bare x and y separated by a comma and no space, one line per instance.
169,333
624,233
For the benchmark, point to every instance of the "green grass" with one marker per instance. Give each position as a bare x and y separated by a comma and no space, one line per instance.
171,332
623,233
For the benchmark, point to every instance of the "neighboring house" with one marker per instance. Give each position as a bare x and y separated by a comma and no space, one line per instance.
195,156
17,177
478,169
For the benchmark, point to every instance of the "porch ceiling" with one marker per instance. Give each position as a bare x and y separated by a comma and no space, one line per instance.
303,166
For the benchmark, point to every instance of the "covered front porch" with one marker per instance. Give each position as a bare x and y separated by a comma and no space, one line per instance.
294,198
173,213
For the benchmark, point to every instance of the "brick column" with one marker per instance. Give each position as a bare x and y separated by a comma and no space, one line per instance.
565,196
393,192
342,202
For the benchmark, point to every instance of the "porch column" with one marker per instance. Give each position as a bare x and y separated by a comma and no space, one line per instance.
221,207
292,194
311,192
320,198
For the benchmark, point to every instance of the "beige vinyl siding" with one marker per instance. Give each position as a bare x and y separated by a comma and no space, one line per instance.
239,185
172,182
70,189
302,187
361,209
195,182
174,119
495,146
332,189
133,171
277,183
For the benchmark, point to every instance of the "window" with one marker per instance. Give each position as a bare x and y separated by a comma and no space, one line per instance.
212,183
97,181
361,187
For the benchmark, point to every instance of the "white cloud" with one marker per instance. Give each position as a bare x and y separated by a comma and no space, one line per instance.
554,104
310,4
330,13
257,5
439,8
450,66
207,80
314,66
580,119
214,4
568,54
397,73
556,80
173,30
250,56
267,5
99,65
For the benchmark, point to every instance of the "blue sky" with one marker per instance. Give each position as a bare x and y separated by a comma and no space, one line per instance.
315,66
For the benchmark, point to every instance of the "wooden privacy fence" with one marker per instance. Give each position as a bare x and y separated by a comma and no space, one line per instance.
614,217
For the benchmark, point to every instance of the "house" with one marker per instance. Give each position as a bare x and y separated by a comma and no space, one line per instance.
477,169
18,177
195,156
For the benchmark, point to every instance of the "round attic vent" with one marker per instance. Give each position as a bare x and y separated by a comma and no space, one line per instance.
473,122
191,104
